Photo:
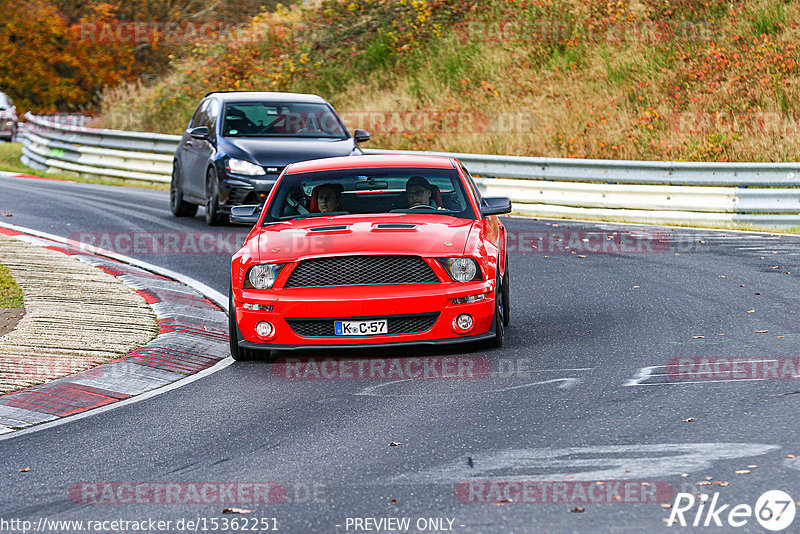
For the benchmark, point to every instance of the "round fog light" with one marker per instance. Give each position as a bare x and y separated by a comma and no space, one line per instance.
264,329
463,322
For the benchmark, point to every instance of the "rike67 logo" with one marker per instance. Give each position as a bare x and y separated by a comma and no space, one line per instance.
774,510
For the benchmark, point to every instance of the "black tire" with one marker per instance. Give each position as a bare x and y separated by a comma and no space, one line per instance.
234,334
178,206
507,296
213,215
499,320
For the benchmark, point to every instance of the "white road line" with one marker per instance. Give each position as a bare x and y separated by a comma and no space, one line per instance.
212,294
645,373
371,391
218,298
219,366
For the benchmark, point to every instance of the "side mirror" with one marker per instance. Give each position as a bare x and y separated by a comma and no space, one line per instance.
361,136
247,214
495,206
201,132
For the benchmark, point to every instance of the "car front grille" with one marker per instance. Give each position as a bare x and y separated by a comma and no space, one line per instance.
398,324
361,271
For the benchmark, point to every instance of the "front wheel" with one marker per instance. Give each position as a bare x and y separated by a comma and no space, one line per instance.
213,215
506,296
238,353
499,315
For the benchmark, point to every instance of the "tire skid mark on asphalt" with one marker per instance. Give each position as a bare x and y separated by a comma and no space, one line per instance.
192,340
589,463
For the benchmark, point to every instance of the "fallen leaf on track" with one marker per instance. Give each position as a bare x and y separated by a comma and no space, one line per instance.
237,511
393,444
688,420
25,470
742,471
751,311
577,509
666,505
761,331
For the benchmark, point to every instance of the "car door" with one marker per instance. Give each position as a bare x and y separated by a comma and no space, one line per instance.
193,185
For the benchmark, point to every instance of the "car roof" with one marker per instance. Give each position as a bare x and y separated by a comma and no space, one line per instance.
255,96
374,161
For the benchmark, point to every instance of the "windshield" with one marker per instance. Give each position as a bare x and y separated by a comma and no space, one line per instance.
292,119
366,191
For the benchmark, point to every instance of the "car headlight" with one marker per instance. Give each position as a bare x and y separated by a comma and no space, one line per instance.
241,166
461,269
262,276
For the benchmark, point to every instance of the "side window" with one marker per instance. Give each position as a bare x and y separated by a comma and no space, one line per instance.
198,115
211,116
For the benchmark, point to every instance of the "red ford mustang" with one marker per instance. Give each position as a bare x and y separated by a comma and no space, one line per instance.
370,251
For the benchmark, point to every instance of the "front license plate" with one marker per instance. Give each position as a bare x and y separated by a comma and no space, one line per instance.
361,328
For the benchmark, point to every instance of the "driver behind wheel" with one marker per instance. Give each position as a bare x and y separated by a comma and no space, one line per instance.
420,192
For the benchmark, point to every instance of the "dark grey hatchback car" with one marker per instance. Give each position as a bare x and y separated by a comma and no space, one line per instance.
237,144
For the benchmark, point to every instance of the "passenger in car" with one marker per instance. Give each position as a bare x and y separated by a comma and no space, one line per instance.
326,198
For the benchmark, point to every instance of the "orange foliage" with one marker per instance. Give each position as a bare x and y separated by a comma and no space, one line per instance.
44,64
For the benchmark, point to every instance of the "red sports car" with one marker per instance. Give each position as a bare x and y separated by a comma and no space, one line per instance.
370,251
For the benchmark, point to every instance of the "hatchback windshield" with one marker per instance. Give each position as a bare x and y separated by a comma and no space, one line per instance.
366,191
295,119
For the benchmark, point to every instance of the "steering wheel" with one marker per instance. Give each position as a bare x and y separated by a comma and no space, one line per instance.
421,206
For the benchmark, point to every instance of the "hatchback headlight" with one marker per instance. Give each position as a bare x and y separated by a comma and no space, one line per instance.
241,166
461,269
262,276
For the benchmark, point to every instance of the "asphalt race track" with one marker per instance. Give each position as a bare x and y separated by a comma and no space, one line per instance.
585,389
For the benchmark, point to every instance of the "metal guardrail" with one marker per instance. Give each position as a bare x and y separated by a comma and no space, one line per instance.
640,191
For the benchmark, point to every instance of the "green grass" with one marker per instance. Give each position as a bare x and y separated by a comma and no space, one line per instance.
768,20
732,225
10,154
10,292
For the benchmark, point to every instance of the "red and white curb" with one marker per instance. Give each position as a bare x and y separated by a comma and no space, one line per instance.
192,341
